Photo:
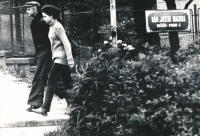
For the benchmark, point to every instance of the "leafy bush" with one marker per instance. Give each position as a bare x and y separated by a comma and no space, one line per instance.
150,96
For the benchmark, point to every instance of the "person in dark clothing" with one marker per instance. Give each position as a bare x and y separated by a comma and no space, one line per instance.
40,30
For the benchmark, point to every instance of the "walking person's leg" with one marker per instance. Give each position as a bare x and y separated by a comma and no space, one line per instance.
36,95
51,86
67,79
57,70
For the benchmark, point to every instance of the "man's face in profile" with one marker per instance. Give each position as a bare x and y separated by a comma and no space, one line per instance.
31,11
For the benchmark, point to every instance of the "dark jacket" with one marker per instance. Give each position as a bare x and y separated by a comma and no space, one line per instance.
40,30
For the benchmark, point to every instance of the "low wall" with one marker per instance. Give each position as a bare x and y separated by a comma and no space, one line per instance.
25,67
3,56
20,67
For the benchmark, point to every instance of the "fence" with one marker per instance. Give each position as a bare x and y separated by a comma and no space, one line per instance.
81,26
88,28
15,33
5,30
198,24
93,28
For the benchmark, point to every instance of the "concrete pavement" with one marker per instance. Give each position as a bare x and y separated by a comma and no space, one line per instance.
13,103
27,131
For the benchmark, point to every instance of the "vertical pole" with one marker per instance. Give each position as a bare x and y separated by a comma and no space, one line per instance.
193,31
11,26
113,22
195,19
156,4
198,14
23,31
0,30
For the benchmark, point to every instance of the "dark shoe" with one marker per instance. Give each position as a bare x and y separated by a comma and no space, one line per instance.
41,111
30,109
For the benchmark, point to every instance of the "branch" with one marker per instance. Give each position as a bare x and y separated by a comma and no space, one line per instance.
187,4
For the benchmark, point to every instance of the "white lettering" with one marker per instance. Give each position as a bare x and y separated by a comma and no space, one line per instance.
173,25
154,19
165,19
161,25
178,18
161,19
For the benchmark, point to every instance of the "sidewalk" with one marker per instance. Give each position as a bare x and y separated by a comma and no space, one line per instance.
13,103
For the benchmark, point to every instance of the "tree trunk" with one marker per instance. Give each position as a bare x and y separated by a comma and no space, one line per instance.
187,4
173,36
141,6
152,38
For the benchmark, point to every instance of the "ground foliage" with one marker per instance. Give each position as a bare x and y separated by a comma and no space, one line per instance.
150,96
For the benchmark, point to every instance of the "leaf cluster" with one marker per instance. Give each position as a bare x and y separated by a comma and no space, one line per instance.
149,96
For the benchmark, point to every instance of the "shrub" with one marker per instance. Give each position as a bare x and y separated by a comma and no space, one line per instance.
150,96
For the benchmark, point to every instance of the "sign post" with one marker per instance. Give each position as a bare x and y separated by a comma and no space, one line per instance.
168,20
11,25
195,19
113,22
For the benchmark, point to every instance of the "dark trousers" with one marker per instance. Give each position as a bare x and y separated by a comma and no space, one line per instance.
57,71
44,64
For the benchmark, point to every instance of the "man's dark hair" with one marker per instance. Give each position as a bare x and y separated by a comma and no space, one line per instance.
51,10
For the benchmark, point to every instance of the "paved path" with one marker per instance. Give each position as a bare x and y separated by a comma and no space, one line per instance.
27,131
13,103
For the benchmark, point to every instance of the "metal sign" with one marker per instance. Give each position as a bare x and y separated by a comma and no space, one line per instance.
168,20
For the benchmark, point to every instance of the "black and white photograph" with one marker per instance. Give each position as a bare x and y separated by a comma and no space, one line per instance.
99,67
